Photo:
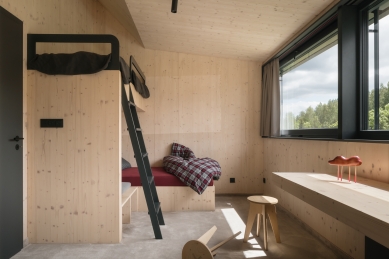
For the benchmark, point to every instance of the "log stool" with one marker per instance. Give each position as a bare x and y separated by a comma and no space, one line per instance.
199,249
260,206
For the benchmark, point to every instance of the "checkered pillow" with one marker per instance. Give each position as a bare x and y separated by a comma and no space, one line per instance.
182,151
197,173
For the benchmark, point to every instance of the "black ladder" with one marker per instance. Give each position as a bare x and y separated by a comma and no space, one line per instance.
142,160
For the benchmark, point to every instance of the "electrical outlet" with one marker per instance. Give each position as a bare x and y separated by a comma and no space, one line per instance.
232,180
51,123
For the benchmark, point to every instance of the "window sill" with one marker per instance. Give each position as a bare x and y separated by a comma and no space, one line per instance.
333,139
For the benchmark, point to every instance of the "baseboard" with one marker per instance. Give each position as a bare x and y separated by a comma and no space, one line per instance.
25,242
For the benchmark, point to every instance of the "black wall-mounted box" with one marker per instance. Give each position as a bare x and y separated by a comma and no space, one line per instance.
51,123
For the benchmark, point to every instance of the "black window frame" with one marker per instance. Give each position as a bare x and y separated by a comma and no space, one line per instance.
353,88
363,131
322,31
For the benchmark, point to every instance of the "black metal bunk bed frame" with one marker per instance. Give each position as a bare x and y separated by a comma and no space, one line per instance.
129,109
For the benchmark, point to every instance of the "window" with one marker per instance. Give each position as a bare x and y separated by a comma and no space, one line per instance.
378,68
334,77
309,85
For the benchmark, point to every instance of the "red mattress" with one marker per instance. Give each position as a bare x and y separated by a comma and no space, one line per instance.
161,177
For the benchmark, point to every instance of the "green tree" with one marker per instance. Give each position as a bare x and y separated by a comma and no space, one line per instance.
307,119
383,118
323,116
326,115
383,107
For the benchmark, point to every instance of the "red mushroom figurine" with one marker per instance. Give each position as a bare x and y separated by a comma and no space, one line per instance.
342,161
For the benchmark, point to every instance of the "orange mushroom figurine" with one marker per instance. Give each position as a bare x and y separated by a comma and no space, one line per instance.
341,161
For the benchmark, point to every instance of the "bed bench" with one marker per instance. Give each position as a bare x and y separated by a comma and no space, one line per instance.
173,194
127,192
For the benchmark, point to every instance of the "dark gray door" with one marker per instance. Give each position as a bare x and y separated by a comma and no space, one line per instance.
11,126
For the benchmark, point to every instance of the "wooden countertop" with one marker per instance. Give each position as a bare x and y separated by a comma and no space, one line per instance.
363,206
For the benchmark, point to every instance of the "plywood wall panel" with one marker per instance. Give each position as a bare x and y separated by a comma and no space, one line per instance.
163,144
167,104
220,137
147,64
74,170
227,130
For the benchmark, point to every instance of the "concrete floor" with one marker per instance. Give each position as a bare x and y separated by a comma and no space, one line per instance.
229,217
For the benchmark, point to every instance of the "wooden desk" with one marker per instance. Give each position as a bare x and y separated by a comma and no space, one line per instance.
363,206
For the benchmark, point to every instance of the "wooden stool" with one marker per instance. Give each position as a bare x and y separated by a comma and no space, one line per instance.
260,206
199,249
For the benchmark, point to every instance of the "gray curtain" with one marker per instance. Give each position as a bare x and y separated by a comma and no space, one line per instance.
270,107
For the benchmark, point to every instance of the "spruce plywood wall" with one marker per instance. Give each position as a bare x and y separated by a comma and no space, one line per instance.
222,125
210,105
283,155
74,174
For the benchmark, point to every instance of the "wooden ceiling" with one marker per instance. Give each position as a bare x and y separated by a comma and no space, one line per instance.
239,29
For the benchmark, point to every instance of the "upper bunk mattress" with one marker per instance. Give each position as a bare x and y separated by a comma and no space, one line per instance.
161,177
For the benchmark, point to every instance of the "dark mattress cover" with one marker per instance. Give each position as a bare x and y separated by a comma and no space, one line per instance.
161,177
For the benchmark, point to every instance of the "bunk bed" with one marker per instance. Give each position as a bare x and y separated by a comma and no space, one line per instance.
74,160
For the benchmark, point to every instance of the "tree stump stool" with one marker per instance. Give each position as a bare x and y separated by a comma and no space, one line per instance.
199,249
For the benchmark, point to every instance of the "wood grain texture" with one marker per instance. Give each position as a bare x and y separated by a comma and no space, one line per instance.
210,105
300,31
127,204
283,155
211,135
138,99
244,29
181,198
74,172
119,9
362,206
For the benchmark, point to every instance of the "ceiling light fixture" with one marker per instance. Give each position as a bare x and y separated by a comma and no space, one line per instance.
174,6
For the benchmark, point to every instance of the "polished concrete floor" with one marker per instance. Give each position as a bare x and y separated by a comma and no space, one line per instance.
229,217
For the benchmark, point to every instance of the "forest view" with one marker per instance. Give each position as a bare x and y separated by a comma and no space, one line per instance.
326,115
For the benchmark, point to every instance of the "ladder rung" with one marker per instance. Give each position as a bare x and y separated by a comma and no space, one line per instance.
138,129
157,206
132,104
143,155
150,179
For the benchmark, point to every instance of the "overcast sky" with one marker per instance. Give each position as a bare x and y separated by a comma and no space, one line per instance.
317,80
313,82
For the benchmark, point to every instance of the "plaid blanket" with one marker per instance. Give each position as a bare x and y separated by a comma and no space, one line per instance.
194,172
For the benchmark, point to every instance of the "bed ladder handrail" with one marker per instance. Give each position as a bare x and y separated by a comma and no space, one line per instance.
32,39
133,63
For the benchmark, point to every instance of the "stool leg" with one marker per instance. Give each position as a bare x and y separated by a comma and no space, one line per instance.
258,223
271,212
264,228
250,222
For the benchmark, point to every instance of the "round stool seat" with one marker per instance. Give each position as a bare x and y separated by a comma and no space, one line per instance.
260,207
262,199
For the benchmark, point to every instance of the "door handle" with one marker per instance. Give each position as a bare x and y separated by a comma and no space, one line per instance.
17,138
